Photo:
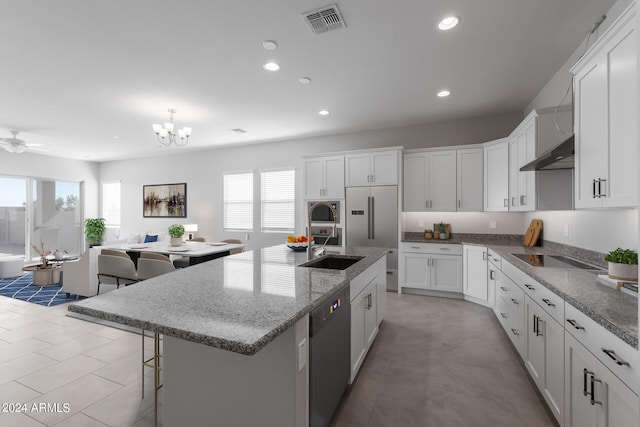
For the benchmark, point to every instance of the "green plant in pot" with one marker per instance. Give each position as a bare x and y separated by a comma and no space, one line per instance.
623,264
94,229
176,231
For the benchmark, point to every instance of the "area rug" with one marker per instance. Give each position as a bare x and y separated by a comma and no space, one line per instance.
22,288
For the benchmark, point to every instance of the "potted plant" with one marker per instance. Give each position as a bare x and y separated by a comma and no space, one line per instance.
176,231
442,228
623,264
94,230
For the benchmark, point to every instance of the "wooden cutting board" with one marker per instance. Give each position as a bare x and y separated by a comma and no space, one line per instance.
533,232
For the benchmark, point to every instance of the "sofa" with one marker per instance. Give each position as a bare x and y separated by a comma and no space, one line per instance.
11,265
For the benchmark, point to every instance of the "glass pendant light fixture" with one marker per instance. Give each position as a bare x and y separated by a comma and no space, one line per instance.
166,135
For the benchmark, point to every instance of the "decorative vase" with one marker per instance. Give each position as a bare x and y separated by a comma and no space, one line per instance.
176,241
623,271
443,235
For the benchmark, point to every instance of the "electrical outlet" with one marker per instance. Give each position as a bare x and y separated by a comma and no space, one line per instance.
302,354
420,223
566,230
492,224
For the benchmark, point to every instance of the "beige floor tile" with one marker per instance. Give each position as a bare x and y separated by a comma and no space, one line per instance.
61,373
22,366
111,333
67,333
74,347
30,331
77,394
20,420
14,392
462,411
9,351
117,349
126,370
80,420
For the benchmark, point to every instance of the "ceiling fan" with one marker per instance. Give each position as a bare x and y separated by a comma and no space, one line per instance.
15,145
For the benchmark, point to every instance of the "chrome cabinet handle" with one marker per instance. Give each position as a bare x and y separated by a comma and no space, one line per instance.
612,354
503,288
506,203
600,194
537,326
528,286
549,303
492,275
515,301
504,316
484,256
523,200
575,324
593,190
445,249
593,393
513,201
459,204
584,381
515,332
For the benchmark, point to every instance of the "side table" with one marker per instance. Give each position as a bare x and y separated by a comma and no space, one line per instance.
49,275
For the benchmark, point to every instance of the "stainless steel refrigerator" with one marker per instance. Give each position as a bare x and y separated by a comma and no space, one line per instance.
372,220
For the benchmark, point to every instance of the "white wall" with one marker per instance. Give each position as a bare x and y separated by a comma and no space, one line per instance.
467,222
202,170
55,168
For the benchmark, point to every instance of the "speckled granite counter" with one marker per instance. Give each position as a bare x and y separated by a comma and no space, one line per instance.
615,311
238,303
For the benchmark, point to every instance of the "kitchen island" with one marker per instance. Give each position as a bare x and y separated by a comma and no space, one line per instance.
235,330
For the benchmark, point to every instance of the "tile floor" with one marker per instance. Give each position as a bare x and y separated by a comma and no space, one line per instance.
441,362
436,362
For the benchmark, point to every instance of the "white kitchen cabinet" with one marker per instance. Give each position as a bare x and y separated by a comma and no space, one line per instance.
522,150
510,309
474,273
496,176
606,129
593,395
431,266
430,181
371,168
469,180
324,178
545,355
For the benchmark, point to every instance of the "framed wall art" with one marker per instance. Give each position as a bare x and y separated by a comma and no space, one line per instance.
164,201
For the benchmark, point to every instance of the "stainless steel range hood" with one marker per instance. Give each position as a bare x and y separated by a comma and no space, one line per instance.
559,157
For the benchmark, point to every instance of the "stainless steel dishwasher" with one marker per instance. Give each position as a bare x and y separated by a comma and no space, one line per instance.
329,356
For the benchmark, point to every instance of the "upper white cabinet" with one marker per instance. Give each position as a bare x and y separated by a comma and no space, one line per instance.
606,130
371,168
469,182
430,181
496,176
522,150
324,178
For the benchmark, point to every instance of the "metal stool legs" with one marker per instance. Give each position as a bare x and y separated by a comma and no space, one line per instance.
154,363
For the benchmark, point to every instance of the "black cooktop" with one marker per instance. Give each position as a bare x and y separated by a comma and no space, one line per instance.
553,261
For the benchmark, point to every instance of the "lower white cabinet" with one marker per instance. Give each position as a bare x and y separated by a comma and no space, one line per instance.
474,273
594,397
431,266
367,311
545,355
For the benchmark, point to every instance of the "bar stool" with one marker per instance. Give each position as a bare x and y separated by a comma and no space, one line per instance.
153,363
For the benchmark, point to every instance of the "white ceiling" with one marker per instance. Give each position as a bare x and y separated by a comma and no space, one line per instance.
77,73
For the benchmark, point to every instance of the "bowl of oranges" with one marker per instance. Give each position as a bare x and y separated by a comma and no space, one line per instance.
297,243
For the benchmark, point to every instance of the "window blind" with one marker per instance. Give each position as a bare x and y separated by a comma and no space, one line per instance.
278,199
238,201
111,203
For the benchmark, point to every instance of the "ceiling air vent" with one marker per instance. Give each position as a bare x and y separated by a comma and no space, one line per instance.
324,19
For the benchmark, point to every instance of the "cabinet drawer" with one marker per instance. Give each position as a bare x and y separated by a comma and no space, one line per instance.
361,281
550,302
618,356
495,259
508,290
432,248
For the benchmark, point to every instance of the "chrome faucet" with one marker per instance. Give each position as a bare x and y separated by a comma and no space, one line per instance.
334,213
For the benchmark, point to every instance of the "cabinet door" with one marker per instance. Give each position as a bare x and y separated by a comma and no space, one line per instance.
415,183
578,362
496,177
334,178
513,174
474,272
370,314
553,391
313,178
469,180
534,326
591,131
446,273
442,181
415,270
384,168
358,342
381,298
528,196
621,188
358,170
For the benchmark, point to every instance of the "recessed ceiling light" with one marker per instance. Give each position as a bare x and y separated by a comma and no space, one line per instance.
271,66
116,137
448,22
323,112
304,80
270,45
444,93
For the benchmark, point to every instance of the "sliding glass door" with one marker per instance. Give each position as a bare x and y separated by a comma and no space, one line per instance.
13,201
40,212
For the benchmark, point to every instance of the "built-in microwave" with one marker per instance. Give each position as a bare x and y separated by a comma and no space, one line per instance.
322,213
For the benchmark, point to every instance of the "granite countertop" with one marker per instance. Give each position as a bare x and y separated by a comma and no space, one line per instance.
238,303
615,311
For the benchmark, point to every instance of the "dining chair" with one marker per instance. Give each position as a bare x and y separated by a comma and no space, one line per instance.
116,270
152,267
235,241
155,255
114,252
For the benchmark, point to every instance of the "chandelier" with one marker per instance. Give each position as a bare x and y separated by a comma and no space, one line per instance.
166,135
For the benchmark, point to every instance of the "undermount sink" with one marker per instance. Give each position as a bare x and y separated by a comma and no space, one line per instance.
333,262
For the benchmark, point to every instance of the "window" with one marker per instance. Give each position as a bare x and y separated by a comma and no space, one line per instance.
111,203
278,197
238,201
